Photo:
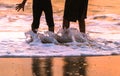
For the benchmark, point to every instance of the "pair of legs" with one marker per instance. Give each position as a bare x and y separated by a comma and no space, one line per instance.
66,24
40,6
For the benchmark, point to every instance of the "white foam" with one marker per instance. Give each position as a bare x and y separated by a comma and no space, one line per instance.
103,39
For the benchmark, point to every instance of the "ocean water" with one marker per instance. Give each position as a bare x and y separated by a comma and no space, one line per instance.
102,26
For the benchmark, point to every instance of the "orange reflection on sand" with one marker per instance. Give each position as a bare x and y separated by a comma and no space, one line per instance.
15,67
103,66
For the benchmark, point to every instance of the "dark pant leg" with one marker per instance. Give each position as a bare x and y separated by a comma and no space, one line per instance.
49,15
37,11
82,25
66,24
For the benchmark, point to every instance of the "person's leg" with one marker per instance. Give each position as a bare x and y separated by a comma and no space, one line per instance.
82,26
49,15
66,16
66,24
37,11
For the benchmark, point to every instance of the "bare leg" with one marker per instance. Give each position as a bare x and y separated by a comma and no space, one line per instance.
82,26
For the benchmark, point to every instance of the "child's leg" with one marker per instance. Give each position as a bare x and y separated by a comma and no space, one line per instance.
49,15
37,11
82,25
66,24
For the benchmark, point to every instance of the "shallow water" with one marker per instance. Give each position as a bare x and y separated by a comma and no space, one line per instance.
102,23
61,66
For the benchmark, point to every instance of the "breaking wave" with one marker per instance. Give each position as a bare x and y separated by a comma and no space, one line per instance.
72,37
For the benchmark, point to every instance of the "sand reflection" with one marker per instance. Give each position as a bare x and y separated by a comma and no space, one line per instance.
65,66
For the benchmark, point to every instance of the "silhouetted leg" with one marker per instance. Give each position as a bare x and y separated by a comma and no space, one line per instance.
82,26
66,24
37,11
51,28
49,16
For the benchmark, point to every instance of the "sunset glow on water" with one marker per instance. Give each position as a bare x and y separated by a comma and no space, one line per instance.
102,24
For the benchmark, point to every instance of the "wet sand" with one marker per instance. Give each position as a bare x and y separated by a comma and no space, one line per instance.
61,66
